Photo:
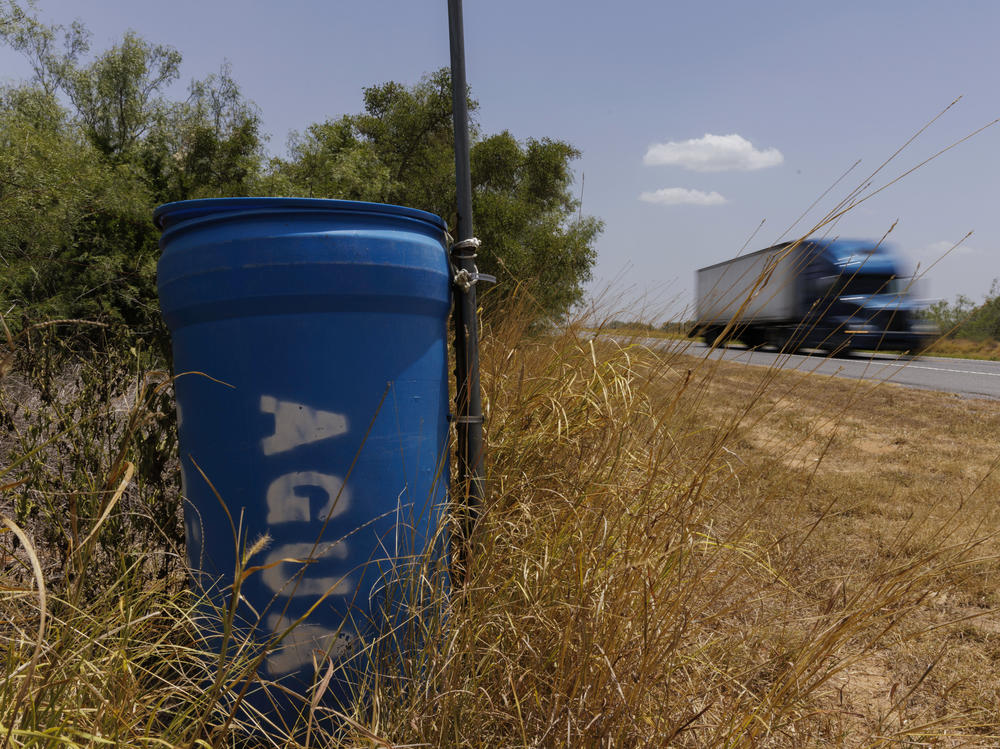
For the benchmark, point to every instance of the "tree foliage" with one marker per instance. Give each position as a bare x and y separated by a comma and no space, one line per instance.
66,214
964,318
207,146
527,218
399,150
89,148
92,143
49,61
117,96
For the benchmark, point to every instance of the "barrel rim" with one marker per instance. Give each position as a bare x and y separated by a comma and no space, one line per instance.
171,214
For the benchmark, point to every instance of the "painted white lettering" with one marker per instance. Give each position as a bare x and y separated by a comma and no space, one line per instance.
302,643
296,424
278,576
286,505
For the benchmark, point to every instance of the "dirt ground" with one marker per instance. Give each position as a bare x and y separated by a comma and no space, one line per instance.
885,477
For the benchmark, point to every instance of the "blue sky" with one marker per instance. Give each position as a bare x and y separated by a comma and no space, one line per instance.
792,93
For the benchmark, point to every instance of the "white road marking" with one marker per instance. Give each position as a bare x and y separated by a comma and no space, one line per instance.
939,369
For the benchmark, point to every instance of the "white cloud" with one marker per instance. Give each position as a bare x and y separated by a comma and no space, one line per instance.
682,196
712,153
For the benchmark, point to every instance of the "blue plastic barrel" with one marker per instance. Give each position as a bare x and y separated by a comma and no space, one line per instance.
309,344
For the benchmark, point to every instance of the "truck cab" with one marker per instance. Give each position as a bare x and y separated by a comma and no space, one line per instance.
854,295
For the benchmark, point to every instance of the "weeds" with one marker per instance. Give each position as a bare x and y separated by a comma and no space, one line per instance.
675,552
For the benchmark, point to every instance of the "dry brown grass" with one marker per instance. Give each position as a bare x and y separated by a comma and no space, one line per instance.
963,348
890,481
675,552
693,553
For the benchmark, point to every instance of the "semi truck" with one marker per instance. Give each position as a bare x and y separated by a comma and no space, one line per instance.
837,295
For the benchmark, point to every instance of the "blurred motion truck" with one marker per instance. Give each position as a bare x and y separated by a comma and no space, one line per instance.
836,295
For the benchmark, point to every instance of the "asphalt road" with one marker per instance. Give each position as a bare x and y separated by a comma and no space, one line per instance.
966,377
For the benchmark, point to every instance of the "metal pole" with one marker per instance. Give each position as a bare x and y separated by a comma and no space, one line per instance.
469,406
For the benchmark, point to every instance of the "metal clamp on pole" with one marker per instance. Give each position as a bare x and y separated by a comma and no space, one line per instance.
464,278
464,244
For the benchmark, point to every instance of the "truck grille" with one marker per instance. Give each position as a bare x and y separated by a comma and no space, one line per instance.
895,322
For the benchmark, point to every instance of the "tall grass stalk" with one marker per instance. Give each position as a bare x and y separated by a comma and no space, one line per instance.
657,564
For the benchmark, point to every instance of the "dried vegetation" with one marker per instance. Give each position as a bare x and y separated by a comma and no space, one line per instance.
675,552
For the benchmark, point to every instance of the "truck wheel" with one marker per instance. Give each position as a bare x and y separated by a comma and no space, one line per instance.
711,335
782,341
842,351
753,337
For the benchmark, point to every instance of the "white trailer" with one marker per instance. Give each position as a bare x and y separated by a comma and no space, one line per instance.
759,287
